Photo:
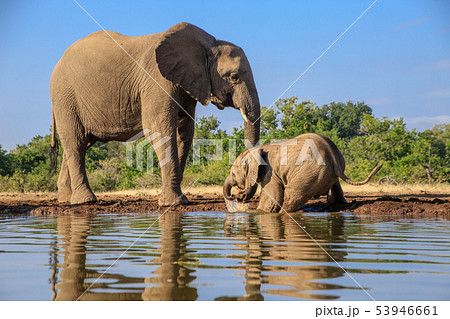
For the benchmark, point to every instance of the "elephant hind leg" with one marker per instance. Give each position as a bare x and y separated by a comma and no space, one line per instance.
75,145
81,191
64,188
64,182
336,196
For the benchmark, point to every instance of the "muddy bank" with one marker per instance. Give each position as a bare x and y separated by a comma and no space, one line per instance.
423,205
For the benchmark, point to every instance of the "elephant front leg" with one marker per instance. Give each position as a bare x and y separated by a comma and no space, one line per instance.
185,134
272,196
162,133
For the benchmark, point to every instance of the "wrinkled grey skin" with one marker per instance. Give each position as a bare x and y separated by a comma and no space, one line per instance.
100,94
291,185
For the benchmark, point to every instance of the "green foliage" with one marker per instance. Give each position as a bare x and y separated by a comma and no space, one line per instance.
5,163
211,173
362,138
208,127
27,167
29,157
107,177
298,117
346,118
269,121
405,153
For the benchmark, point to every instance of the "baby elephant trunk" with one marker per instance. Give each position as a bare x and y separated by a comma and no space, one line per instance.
229,183
250,192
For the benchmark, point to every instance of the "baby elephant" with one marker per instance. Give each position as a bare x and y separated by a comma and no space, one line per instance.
290,173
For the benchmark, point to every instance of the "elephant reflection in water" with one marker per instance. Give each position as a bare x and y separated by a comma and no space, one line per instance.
252,259
74,232
268,238
170,281
276,237
301,248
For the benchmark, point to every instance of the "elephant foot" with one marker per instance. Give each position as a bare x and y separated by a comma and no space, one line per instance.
294,204
83,197
271,207
172,199
334,201
336,198
64,196
290,208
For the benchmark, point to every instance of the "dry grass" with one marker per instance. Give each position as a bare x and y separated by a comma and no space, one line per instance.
412,189
417,189
24,197
195,190
401,189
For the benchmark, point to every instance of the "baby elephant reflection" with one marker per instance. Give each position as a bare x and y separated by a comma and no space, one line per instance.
291,172
281,257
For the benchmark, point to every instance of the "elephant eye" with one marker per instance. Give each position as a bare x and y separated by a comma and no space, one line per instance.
234,76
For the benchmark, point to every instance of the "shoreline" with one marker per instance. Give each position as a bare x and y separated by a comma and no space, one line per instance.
414,200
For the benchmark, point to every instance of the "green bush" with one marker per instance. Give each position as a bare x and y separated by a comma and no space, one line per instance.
147,181
106,177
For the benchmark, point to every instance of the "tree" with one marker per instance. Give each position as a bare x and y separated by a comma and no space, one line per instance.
32,156
431,152
5,163
208,127
346,118
269,121
298,118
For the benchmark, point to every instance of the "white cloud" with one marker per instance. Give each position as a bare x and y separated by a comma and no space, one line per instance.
439,65
438,93
426,122
410,23
380,101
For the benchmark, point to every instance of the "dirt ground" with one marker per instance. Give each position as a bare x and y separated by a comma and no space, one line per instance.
409,202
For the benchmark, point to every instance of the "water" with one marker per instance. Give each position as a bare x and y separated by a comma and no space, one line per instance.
224,256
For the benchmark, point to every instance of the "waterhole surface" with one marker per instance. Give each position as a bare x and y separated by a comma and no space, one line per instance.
224,256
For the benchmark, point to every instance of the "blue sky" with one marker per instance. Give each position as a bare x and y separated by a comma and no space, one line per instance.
396,58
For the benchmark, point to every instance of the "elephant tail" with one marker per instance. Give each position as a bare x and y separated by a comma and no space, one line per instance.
349,181
54,141
54,147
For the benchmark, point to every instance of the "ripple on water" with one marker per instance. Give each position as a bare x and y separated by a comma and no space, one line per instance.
223,256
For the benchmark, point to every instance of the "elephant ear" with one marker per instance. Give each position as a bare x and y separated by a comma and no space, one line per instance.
253,160
182,58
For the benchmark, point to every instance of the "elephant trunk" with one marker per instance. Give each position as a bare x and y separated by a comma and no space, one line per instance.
252,129
249,192
247,101
229,183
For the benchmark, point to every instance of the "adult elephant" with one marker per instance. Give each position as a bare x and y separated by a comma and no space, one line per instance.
108,86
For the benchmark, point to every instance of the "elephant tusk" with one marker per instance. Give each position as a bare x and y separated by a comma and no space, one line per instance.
244,115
